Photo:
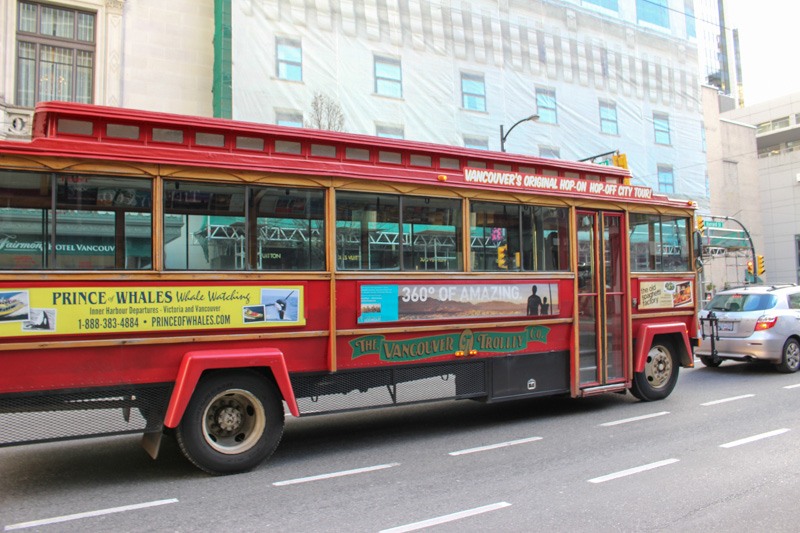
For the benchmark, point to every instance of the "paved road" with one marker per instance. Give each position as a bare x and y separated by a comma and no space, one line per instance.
720,454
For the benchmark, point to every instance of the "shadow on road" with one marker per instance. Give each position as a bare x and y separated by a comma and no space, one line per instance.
59,466
317,435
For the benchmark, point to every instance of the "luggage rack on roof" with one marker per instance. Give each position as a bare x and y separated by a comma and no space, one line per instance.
777,286
769,288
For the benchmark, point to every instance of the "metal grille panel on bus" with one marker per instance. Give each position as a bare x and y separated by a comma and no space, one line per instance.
72,414
363,389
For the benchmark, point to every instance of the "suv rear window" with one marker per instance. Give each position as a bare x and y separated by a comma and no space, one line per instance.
742,302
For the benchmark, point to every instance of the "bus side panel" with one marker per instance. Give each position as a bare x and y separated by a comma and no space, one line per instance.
458,330
646,333
47,360
477,356
196,362
104,366
393,349
664,306
472,296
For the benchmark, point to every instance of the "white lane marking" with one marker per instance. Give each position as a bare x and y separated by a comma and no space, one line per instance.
754,438
634,419
447,518
495,446
731,399
334,474
632,471
792,386
88,514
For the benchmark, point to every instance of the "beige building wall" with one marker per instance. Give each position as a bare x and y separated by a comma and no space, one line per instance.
735,189
169,56
149,54
778,139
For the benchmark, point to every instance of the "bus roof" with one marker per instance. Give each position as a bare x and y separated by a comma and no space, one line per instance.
93,132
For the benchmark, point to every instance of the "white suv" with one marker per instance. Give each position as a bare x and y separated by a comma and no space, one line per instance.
752,323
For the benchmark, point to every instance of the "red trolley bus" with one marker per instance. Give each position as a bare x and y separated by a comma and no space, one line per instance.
205,276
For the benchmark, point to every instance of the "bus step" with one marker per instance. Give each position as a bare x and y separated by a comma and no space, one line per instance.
602,389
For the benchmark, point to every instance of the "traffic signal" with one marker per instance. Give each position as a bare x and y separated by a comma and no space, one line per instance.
502,256
701,225
760,262
619,160
750,270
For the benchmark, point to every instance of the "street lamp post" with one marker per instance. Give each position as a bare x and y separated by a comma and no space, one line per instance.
504,134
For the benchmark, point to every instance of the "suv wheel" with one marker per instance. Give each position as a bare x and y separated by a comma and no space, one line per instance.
790,358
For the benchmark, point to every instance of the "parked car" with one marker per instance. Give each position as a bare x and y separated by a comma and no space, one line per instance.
752,323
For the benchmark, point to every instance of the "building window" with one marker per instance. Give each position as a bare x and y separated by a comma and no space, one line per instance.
780,123
389,132
666,179
613,5
653,12
769,151
480,143
770,125
289,58
608,118
792,146
691,23
289,118
388,77
546,105
550,152
473,92
55,54
661,127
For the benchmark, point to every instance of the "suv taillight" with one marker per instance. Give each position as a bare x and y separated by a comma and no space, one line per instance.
766,322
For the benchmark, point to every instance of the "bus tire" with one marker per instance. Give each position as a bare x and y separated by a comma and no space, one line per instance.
660,373
233,423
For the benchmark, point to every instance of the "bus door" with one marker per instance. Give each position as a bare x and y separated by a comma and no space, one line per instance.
601,298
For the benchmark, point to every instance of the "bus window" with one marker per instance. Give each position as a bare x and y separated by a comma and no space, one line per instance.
211,226
550,238
431,231
675,243
495,236
290,228
91,223
389,232
659,243
513,237
25,203
367,231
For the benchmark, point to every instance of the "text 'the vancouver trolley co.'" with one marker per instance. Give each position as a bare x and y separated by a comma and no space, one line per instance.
203,276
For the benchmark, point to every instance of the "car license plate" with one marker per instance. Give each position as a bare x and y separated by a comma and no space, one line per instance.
725,326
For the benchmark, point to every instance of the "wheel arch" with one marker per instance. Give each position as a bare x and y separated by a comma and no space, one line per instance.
676,333
268,361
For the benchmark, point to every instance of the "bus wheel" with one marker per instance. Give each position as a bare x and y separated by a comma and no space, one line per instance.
233,422
660,373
